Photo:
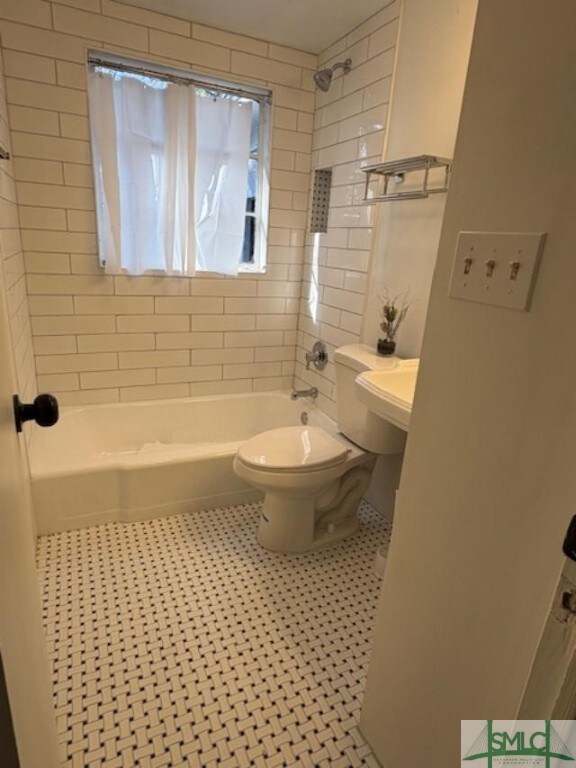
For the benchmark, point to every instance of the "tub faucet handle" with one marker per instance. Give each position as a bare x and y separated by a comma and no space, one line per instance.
318,356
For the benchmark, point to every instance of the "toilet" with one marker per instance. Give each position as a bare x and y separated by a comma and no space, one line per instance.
312,480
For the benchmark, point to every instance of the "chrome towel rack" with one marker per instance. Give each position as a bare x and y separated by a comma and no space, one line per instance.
382,173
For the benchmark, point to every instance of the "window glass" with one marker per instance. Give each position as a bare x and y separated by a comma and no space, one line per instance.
179,172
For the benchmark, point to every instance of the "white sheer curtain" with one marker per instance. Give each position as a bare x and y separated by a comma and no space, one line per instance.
223,127
143,139
171,169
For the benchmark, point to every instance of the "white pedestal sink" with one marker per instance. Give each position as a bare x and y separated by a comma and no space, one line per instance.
390,393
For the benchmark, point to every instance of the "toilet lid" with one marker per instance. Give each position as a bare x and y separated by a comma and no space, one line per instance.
293,448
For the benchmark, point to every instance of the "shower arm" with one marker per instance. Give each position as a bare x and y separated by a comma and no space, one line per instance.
345,65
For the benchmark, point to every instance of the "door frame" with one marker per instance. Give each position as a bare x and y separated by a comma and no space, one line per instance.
22,640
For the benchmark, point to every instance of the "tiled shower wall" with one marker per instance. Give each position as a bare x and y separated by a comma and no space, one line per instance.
99,338
349,131
12,264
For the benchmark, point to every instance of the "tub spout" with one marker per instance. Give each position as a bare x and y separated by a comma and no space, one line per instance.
297,393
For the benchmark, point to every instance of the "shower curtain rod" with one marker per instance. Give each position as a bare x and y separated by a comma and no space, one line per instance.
177,76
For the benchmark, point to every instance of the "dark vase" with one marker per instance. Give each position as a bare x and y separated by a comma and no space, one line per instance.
386,347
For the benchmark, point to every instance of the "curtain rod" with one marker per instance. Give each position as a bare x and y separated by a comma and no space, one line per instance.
179,78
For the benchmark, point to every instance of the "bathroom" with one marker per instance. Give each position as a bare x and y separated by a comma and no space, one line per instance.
135,343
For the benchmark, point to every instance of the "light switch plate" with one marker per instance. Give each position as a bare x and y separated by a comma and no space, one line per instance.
497,268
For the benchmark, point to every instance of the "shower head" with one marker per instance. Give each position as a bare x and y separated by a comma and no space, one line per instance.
323,77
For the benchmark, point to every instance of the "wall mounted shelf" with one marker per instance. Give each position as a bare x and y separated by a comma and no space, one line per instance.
396,169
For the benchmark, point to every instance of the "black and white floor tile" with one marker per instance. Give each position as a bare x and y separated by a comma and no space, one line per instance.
179,642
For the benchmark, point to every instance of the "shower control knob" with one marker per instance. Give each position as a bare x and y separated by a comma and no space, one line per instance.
44,411
318,356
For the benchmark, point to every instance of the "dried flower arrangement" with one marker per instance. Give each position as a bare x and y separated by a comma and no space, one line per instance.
394,310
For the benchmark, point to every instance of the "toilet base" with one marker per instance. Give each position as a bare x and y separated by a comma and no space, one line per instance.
291,525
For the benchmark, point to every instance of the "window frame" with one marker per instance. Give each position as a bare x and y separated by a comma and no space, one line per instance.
262,95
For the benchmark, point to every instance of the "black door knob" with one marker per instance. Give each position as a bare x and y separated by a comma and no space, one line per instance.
44,411
569,545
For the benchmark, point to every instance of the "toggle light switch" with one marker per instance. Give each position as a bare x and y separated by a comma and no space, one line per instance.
510,265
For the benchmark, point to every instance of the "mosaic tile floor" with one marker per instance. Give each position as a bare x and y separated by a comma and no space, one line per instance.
180,642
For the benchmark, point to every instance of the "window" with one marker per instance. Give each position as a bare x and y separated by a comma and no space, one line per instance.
180,170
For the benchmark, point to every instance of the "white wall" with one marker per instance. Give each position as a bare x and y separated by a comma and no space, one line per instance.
12,263
99,338
488,484
431,62
433,52
349,129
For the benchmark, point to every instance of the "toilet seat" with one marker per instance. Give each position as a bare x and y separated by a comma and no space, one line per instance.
293,449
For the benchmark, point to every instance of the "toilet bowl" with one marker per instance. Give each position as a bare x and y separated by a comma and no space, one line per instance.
313,481
300,471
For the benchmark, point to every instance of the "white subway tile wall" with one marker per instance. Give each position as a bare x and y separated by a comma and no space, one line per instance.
99,338
13,278
349,129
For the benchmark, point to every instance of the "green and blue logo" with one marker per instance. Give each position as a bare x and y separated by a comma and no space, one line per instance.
534,743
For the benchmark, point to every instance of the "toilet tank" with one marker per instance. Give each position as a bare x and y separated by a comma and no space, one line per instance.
355,421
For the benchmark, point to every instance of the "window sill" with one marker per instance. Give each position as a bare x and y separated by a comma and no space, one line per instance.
252,269
248,269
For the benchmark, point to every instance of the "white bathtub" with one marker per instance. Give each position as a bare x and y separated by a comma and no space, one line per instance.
133,461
